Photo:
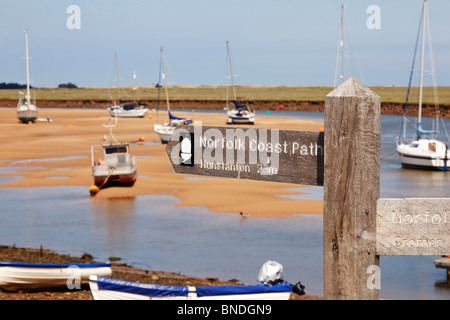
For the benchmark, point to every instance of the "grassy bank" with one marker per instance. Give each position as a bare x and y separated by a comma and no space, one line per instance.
255,93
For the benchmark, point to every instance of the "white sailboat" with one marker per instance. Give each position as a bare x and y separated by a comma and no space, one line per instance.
26,110
128,110
425,151
340,51
238,113
166,130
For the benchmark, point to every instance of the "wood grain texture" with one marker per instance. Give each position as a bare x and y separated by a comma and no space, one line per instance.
413,226
251,153
351,188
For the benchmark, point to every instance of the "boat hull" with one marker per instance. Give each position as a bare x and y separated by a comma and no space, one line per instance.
26,114
235,117
241,120
103,177
139,113
30,276
424,154
109,289
164,131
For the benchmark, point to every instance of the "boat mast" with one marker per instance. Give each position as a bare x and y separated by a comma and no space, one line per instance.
117,76
419,119
163,74
340,49
137,86
342,44
231,70
27,97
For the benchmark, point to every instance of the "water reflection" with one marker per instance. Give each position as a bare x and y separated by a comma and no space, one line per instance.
113,222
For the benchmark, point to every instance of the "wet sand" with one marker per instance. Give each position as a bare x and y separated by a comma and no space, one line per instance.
57,153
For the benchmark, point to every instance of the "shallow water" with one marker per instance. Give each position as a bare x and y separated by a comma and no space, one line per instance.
150,232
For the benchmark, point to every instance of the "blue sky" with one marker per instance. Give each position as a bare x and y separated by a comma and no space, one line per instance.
273,42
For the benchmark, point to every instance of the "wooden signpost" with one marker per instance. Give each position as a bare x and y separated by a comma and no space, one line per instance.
413,226
358,227
248,153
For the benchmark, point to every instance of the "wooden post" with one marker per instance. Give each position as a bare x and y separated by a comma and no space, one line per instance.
352,128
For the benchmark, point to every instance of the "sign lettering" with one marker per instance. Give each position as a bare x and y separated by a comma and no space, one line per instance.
248,153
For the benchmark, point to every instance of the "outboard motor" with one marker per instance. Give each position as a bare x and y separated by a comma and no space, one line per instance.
270,273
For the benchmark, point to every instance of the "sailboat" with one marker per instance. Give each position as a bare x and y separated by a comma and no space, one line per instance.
425,151
166,130
238,113
340,50
27,111
117,166
129,110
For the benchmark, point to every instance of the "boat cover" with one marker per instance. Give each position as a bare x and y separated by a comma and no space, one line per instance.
420,130
52,265
150,290
172,117
239,106
230,290
130,106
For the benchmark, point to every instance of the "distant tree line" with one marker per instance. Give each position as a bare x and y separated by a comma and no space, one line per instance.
69,85
12,85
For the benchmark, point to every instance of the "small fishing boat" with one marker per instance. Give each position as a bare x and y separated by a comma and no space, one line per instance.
166,130
425,151
239,113
16,276
104,288
117,166
26,110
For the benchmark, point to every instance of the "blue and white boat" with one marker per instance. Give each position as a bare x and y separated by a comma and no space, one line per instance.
16,276
425,151
103,288
166,130
239,113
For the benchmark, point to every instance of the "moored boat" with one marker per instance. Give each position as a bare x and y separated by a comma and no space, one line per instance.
16,276
26,110
130,110
239,113
104,288
116,167
126,110
424,151
166,130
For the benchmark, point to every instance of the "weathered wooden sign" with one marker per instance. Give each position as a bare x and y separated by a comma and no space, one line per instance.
358,226
248,153
413,226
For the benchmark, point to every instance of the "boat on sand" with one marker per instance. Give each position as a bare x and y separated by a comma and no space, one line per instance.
103,288
16,276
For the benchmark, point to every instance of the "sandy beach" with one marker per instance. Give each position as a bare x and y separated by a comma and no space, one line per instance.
57,153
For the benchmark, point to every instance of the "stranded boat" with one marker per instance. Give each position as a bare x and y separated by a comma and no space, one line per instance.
131,110
128,110
117,166
273,287
110,289
240,113
26,110
16,276
166,130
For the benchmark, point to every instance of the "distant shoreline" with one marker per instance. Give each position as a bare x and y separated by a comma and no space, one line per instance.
428,110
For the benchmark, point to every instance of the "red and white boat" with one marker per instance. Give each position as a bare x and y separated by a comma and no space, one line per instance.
116,166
